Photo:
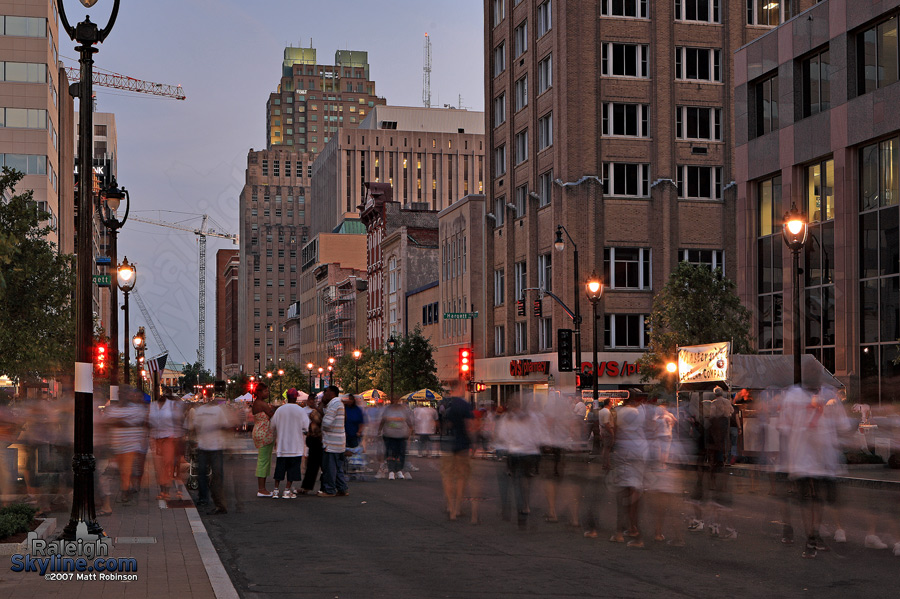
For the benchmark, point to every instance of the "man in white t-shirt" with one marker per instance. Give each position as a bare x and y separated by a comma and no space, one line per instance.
425,418
209,422
290,424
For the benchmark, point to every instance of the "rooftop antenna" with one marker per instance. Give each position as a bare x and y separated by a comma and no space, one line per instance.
426,73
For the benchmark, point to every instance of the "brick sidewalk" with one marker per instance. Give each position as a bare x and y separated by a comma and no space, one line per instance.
162,540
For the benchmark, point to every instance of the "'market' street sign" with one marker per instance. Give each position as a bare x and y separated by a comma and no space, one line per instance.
459,315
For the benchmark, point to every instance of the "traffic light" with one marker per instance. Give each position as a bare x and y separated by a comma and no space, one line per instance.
520,307
465,362
100,357
564,350
538,308
479,387
584,380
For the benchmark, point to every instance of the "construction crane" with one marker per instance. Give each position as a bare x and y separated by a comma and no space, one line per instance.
202,233
140,302
426,74
117,81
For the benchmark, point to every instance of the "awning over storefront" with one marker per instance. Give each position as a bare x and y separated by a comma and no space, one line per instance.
769,372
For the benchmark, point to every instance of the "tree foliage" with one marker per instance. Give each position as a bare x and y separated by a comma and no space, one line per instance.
347,369
37,285
194,374
696,306
414,366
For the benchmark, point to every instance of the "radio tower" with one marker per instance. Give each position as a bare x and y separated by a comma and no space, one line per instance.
426,74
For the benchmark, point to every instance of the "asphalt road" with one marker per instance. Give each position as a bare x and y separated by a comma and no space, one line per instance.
392,539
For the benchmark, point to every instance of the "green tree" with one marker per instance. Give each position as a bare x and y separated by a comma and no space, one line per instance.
37,284
414,366
194,374
347,368
696,306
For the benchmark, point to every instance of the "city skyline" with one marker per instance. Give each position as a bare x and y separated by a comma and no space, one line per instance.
187,156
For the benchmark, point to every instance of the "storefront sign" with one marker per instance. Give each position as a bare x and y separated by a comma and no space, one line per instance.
612,368
527,367
704,363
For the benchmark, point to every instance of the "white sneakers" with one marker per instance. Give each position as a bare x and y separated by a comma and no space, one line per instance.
289,494
873,542
400,475
840,536
275,493
391,476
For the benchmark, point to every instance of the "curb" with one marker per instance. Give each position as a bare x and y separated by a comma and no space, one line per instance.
215,571
44,531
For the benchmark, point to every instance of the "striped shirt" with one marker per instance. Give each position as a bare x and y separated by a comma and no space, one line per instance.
334,438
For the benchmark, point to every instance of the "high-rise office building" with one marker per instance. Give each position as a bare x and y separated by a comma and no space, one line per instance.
614,120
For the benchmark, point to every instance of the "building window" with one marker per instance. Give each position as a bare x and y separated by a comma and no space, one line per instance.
816,83
265,167
545,272
700,182
624,8
770,299
499,11
625,60
521,93
521,146
629,120
820,191
626,331
520,35
499,58
545,187
500,161
545,333
544,18
766,105
499,341
627,268
545,74
698,64
499,110
770,13
698,122
521,337
521,200
276,168
705,11
876,55
521,280
879,267
499,211
499,287
627,179
712,259
545,131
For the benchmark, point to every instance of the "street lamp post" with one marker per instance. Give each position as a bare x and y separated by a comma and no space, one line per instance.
280,375
309,367
594,288
126,276
795,231
321,376
392,347
331,362
560,245
86,34
138,342
112,198
356,356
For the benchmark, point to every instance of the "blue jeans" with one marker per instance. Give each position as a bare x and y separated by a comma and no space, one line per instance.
211,463
333,477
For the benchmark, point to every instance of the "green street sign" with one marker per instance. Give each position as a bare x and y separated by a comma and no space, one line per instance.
101,280
460,315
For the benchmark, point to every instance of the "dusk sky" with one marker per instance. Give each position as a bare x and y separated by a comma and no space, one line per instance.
190,155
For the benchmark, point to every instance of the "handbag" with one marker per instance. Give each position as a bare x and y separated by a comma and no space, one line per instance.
262,432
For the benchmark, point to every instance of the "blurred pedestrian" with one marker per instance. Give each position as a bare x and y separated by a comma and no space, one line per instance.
291,424
126,425
395,428
210,422
167,431
519,433
354,421
426,418
334,444
263,436
629,461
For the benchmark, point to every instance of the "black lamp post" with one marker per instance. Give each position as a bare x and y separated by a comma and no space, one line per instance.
321,377
392,347
139,341
795,230
331,362
106,208
87,34
280,375
309,367
594,288
126,276
560,245
356,356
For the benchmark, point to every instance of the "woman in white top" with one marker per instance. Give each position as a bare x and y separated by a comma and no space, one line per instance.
629,461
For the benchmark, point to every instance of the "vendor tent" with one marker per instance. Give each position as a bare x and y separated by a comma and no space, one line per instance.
771,372
244,397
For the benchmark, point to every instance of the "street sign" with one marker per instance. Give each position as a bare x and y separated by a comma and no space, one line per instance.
459,315
103,260
101,280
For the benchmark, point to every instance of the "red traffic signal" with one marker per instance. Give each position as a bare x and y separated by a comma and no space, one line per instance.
100,357
520,307
465,361
538,308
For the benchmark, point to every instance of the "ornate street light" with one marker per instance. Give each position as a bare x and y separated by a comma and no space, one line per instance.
107,205
392,347
87,35
560,245
309,367
126,277
321,376
594,289
795,231
356,355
